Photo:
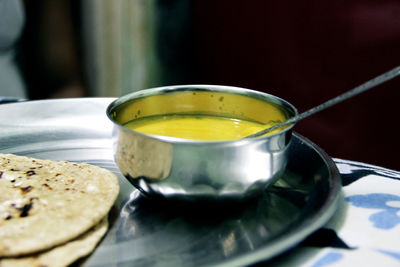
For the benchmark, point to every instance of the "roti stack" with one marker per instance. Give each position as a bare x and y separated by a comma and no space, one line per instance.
51,213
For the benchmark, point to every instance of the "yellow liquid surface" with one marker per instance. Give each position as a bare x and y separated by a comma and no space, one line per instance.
197,127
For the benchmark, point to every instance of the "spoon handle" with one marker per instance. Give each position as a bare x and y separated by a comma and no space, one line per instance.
355,91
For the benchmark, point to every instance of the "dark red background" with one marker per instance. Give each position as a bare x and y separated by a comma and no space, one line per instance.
307,52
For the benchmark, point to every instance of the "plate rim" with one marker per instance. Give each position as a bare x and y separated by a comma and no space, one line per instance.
281,244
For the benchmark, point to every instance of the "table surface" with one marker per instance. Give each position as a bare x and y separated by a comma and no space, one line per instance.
365,230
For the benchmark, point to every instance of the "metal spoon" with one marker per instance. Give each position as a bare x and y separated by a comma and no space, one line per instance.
355,91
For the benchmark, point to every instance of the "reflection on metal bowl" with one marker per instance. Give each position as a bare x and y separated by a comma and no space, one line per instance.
179,168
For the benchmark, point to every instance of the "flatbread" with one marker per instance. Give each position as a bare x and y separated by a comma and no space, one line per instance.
64,254
45,203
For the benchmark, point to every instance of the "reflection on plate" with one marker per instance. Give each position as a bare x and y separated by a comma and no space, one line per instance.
147,232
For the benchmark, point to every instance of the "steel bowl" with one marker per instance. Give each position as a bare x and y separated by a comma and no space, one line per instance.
183,169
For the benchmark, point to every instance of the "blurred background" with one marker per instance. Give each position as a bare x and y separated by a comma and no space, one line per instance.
303,51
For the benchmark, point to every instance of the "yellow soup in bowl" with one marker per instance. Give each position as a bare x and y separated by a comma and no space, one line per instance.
198,127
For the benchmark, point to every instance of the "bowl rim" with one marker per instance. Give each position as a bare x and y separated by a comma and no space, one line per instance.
205,88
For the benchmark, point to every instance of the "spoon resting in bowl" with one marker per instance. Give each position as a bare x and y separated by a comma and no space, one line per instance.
340,98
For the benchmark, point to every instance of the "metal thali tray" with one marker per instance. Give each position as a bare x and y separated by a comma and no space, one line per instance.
146,232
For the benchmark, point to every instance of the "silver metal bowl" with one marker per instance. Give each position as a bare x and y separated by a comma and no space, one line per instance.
178,168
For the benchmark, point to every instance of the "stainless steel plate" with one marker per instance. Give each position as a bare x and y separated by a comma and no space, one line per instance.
148,232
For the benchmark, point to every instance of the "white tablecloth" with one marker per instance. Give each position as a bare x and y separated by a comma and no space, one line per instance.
365,230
